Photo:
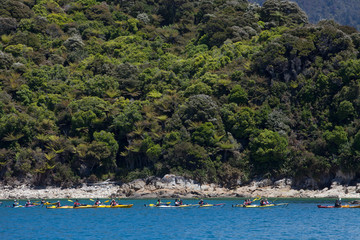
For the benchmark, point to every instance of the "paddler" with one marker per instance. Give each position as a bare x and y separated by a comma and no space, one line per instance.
76,203
201,202
264,202
15,204
42,202
338,202
177,202
28,203
58,204
113,202
97,203
158,203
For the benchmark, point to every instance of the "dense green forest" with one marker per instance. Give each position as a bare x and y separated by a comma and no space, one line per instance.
218,91
345,12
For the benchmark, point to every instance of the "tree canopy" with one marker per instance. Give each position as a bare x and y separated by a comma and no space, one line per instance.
218,91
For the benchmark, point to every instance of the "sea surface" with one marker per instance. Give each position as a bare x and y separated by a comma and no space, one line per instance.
301,219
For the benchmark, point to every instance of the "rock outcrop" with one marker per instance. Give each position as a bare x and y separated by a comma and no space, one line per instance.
171,186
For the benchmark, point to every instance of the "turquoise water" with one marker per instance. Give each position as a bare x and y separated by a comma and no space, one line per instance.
300,220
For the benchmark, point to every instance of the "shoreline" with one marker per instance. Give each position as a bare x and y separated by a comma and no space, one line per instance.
171,186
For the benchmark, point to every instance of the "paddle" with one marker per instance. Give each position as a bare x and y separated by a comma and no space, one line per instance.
70,200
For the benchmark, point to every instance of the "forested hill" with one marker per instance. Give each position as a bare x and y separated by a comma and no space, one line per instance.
345,12
219,91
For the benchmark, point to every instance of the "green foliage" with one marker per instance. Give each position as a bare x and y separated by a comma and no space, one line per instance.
268,150
124,121
204,134
335,138
218,91
238,95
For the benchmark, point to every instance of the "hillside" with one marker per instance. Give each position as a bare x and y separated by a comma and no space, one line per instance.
345,12
218,91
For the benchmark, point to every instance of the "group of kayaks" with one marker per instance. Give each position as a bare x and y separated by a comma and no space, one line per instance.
50,205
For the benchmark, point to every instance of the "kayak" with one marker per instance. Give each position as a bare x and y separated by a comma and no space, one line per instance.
32,205
62,207
213,205
49,203
261,206
91,206
85,206
116,206
172,206
343,206
71,207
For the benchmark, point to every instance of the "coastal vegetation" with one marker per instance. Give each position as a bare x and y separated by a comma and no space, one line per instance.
217,91
344,12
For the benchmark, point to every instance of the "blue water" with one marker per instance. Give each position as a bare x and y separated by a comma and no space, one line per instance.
300,220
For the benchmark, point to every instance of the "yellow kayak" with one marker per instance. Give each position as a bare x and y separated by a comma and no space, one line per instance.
62,207
116,206
213,205
85,206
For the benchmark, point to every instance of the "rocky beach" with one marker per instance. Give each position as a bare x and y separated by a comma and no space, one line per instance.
171,186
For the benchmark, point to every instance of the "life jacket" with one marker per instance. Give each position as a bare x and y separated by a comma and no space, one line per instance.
76,204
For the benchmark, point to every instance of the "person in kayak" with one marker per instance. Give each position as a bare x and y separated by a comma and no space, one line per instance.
158,203
181,202
97,203
263,202
113,202
247,202
76,203
58,204
42,202
201,202
28,203
15,204
177,202
338,202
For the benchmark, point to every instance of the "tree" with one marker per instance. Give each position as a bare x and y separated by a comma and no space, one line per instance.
268,151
